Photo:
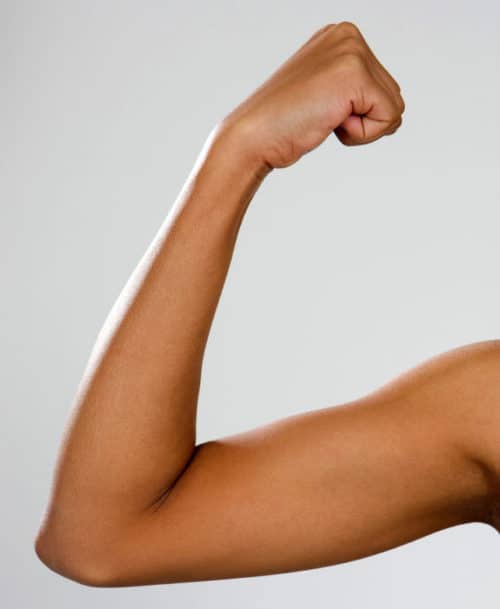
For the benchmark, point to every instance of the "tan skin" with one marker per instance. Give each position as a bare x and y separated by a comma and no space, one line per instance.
136,501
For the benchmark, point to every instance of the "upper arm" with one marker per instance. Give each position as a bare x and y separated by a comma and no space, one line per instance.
312,490
316,488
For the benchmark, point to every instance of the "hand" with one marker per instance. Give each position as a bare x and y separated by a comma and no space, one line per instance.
332,83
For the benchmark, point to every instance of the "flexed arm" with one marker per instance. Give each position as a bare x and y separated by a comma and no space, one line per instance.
134,499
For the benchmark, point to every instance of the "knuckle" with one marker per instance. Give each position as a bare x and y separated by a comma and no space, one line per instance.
348,28
350,60
349,45
325,28
353,44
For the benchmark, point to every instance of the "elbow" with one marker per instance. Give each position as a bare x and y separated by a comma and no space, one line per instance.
69,561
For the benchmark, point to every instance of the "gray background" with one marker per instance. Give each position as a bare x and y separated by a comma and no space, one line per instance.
351,266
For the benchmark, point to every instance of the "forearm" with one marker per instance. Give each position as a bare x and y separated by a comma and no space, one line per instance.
132,428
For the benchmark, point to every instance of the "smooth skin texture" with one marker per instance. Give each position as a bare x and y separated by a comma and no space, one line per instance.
136,501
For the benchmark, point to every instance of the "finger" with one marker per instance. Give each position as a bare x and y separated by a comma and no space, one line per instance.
390,84
383,75
395,127
367,124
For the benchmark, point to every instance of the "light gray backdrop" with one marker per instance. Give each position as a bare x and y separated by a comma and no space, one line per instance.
386,254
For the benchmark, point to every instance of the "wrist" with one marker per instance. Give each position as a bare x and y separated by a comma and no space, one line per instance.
235,139
225,176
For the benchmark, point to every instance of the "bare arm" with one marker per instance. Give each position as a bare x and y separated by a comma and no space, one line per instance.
134,499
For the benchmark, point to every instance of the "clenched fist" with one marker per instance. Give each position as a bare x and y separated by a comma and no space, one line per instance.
333,83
